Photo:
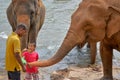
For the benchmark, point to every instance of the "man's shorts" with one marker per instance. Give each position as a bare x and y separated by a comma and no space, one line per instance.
14,75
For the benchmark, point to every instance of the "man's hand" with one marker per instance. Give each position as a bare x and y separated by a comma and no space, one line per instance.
24,68
17,56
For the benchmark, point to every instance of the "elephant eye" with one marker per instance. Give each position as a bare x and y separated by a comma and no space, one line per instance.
32,12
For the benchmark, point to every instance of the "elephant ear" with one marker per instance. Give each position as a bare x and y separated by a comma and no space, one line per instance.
37,5
114,21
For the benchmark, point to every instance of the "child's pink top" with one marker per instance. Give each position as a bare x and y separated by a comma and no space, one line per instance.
30,57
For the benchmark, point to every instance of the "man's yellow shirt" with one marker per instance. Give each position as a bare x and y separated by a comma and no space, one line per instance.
12,46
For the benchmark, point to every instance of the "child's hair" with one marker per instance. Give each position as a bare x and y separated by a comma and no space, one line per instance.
33,43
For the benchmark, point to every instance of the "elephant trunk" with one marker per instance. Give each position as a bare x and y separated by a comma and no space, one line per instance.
70,41
24,19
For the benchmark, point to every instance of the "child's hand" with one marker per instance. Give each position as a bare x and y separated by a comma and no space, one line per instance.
24,68
24,50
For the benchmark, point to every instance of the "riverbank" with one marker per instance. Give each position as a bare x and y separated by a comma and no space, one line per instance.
74,72
78,72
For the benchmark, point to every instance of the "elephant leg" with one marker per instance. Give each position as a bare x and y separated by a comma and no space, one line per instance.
106,56
93,51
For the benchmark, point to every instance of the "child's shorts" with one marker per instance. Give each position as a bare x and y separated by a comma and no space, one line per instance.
32,76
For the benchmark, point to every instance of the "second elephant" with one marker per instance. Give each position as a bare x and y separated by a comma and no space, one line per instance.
28,12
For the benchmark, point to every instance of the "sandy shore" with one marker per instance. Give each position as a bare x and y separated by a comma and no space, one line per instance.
83,73
74,73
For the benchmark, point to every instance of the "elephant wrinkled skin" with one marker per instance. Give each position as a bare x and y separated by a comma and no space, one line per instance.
93,21
28,12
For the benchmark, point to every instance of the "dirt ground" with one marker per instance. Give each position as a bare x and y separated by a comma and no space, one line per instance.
83,73
75,72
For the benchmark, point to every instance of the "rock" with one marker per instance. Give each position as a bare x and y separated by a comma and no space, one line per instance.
60,74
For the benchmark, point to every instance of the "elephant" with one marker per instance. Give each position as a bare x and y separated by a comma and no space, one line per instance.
92,21
30,13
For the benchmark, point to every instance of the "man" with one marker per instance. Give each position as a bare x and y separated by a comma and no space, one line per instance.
13,63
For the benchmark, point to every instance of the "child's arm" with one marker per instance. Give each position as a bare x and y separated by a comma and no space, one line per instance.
24,50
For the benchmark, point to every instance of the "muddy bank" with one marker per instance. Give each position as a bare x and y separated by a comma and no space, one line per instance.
79,72
74,72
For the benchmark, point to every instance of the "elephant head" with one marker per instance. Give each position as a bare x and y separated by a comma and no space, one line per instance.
91,22
28,12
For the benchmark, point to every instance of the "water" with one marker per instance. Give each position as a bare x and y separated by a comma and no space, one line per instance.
57,22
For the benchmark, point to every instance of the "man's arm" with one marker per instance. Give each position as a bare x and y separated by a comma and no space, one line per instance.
17,56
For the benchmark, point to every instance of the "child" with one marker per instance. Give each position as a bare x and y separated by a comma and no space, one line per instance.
30,55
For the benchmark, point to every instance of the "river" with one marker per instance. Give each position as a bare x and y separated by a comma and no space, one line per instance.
51,35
